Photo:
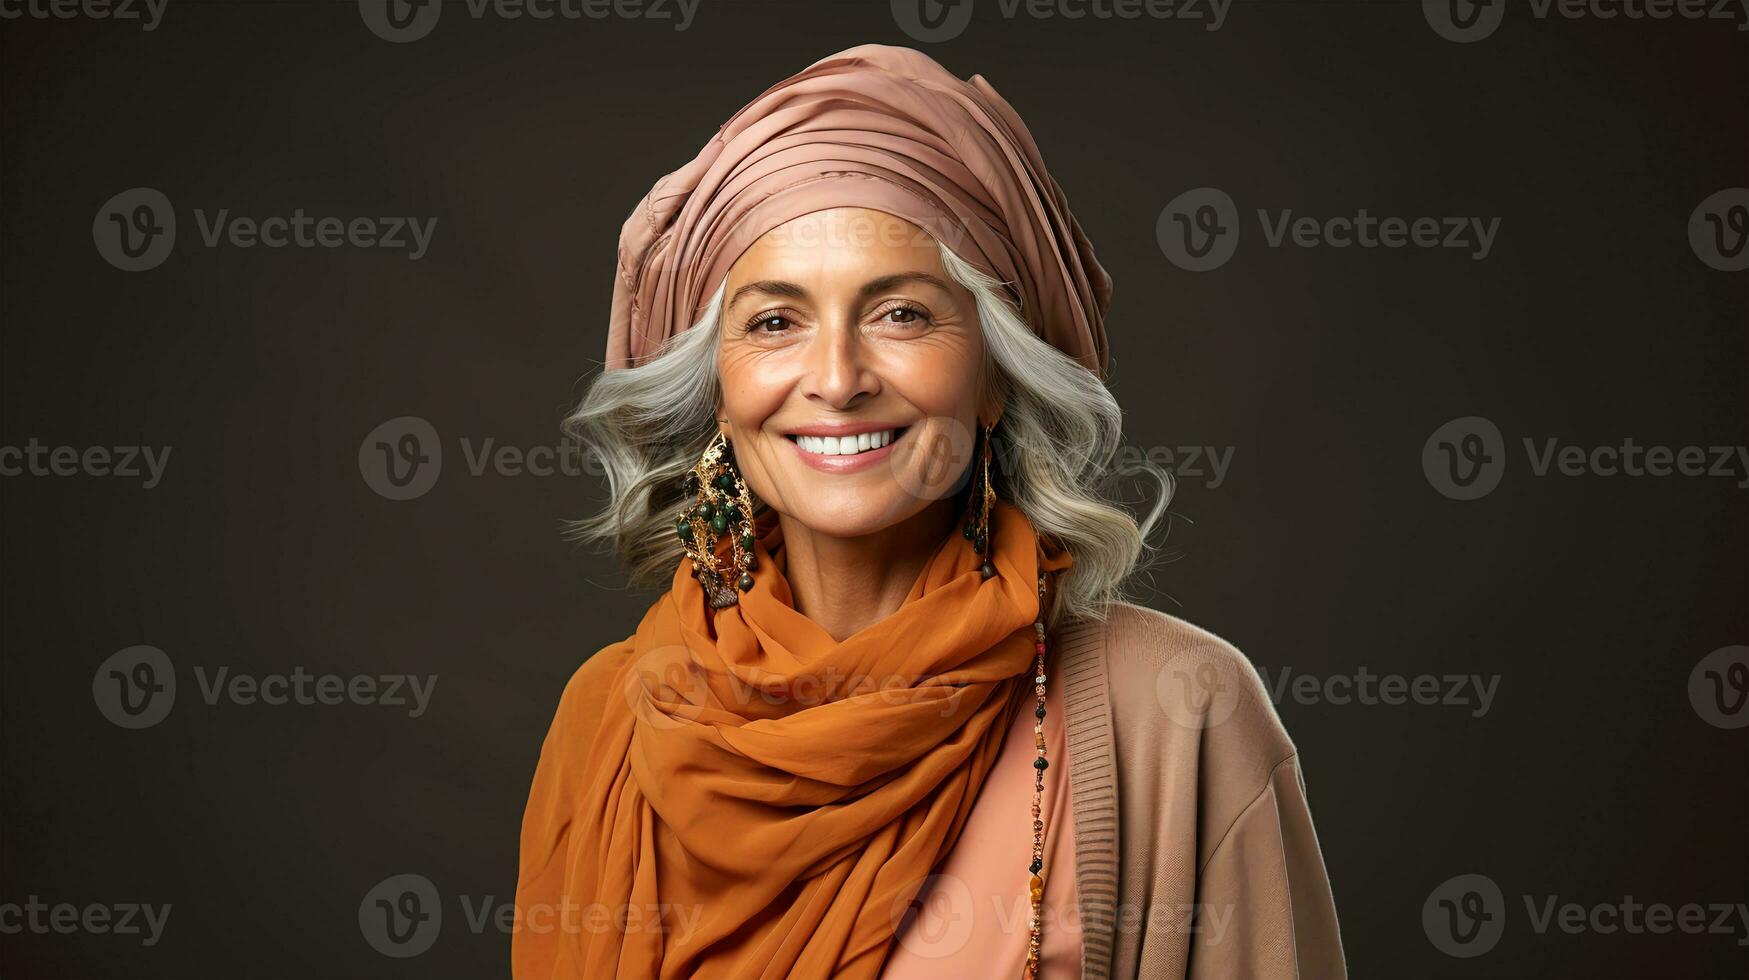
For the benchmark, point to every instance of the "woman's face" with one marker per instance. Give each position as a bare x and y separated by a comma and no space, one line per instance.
851,371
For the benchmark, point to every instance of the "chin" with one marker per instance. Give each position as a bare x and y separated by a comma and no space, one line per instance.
851,514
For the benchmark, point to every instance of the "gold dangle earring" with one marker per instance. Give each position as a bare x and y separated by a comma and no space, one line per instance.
983,497
724,505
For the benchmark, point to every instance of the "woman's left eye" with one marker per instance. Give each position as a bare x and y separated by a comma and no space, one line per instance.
906,315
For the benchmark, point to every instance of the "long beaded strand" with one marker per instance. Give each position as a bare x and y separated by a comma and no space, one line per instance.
1036,885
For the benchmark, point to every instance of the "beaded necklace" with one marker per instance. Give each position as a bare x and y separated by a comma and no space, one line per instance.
1036,884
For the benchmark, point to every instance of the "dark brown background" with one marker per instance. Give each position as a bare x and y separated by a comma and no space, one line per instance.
1591,598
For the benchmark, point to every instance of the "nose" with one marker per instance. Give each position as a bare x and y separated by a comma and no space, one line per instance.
838,374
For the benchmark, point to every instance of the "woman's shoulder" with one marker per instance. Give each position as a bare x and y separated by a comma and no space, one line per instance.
1181,689
587,693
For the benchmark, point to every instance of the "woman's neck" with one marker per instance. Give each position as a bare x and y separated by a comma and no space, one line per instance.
846,584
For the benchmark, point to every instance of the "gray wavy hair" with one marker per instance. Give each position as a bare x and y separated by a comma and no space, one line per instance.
1053,450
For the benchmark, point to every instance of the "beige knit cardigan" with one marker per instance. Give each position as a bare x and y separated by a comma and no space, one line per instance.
1195,855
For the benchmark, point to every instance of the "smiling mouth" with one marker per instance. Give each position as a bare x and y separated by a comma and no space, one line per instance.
862,442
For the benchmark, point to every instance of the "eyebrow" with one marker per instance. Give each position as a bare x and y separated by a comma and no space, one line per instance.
777,287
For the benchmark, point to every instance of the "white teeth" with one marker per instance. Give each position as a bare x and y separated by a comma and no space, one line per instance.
862,442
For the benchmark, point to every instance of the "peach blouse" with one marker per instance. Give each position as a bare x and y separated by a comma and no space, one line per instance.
972,915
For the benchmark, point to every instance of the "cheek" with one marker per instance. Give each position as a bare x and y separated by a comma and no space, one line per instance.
753,387
940,379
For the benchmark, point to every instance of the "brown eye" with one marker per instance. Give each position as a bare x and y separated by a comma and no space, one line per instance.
907,315
768,324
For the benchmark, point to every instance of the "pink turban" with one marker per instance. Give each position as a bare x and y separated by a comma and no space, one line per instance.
878,127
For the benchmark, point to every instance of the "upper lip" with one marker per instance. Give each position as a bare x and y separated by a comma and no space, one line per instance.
841,429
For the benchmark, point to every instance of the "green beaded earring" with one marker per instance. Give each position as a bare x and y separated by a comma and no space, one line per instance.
724,505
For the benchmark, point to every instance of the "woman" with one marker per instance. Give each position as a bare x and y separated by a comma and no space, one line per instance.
891,717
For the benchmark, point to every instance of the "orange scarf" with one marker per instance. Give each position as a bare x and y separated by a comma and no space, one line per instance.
761,800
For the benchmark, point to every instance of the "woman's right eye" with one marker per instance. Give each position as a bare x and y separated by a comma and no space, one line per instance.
769,323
